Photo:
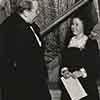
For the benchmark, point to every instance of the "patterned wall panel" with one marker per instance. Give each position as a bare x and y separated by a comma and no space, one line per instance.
54,41
5,9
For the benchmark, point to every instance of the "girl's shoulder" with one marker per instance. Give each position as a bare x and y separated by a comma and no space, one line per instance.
91,43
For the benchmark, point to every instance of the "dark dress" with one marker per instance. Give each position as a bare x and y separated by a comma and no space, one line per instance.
28,80
74,59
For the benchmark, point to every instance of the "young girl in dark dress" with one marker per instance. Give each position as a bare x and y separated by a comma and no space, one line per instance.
79,60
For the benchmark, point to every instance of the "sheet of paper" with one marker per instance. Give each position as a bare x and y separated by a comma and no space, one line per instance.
74,88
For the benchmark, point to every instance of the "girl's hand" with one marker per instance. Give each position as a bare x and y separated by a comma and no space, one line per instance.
65,72
77,74
81,73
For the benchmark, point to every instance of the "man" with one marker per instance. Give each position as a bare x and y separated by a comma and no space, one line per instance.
24,70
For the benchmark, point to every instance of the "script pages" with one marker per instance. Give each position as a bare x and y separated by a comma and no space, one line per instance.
74,88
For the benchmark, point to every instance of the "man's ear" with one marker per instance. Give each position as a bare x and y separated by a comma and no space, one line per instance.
25,13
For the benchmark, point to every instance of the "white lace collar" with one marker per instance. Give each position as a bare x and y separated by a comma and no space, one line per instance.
79,43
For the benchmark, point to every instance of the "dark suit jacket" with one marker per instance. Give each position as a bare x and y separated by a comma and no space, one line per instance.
20,45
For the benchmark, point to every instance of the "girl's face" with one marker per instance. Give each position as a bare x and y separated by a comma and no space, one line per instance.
77,26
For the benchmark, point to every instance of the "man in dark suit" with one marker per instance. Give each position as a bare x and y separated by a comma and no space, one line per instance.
24,70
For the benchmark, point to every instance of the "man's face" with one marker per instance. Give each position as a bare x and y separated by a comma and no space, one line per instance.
33,13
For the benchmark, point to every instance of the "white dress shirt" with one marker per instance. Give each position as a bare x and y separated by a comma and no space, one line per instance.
37,38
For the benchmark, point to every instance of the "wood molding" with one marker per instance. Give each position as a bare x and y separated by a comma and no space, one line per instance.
62,17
